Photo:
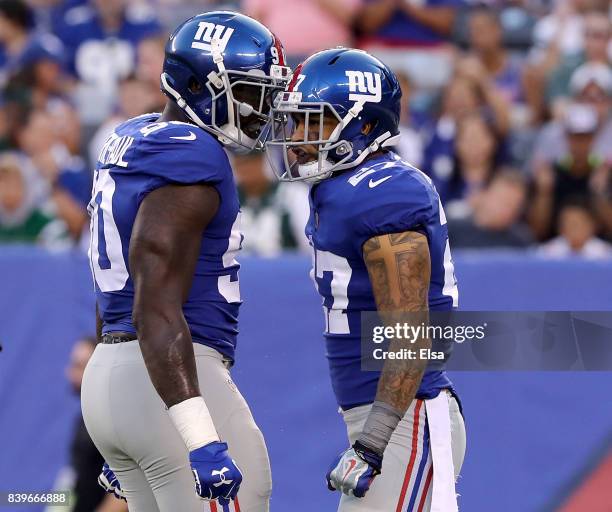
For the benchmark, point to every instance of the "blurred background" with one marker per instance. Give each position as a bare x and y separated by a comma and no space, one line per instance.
506,106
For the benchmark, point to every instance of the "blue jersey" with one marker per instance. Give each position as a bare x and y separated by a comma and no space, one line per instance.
93,51
383,195
403,29
140,156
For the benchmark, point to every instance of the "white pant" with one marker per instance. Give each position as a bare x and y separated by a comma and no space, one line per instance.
405,483
130,425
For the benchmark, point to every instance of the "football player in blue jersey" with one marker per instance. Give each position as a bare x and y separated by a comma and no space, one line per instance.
380,243
157,396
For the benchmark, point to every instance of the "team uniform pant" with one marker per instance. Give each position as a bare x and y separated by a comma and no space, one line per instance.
409,469
130,425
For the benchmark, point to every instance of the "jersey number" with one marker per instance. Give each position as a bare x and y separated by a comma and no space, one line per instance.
339,270
229,285
105,250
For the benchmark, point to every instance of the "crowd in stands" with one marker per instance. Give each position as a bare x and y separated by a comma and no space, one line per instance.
507,106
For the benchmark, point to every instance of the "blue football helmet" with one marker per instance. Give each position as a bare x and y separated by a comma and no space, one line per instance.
223,69
345,88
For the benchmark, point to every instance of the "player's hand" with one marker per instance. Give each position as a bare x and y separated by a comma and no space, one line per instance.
353,471
108,481
216,475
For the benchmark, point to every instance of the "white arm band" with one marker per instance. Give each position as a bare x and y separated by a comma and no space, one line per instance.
192,419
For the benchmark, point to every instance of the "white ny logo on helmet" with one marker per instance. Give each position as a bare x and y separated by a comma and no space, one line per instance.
221,475
364,86
209,31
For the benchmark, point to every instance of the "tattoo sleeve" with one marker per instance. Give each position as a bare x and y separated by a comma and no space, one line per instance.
399,268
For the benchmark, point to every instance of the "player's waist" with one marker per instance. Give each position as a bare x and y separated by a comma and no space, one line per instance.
224,347
115,337
129,352
354,387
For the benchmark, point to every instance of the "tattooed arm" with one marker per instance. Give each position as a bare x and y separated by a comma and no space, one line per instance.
399,267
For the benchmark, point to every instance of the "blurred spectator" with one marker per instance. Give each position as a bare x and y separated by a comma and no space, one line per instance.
273,214
490,97
26,212
462,98
577,229
151,52
591,84
135,97
409,35
67,176
86,461
501,68
516,19
560,32
410,146
496,219
597,39
173,12
306,27
576,168
558,36
67,125
31,58
101,40
50,13
459,99
475,151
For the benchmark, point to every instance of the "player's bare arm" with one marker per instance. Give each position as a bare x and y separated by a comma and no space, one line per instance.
399,267
164,250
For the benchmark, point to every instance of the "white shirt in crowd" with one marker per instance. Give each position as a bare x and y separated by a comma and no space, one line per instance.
593,249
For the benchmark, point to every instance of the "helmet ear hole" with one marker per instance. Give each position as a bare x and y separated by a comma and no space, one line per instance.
194,86
367,128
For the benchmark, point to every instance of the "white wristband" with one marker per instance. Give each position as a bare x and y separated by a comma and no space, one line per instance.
192,420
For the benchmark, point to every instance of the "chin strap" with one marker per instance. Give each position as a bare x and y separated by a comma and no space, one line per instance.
230,129
382,141
180,101
353,113
222,79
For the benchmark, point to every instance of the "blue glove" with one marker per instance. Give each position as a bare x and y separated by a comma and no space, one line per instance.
217,477
108,481
353,471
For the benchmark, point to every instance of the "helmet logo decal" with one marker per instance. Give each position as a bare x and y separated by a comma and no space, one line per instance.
364,86
209,31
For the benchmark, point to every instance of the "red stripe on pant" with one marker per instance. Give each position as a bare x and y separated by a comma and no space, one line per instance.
413,452
426,489
213,505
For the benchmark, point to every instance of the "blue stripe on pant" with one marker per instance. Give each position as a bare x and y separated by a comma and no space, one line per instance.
422,464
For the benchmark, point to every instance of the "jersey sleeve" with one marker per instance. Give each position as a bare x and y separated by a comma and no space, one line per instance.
181,155
401,204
